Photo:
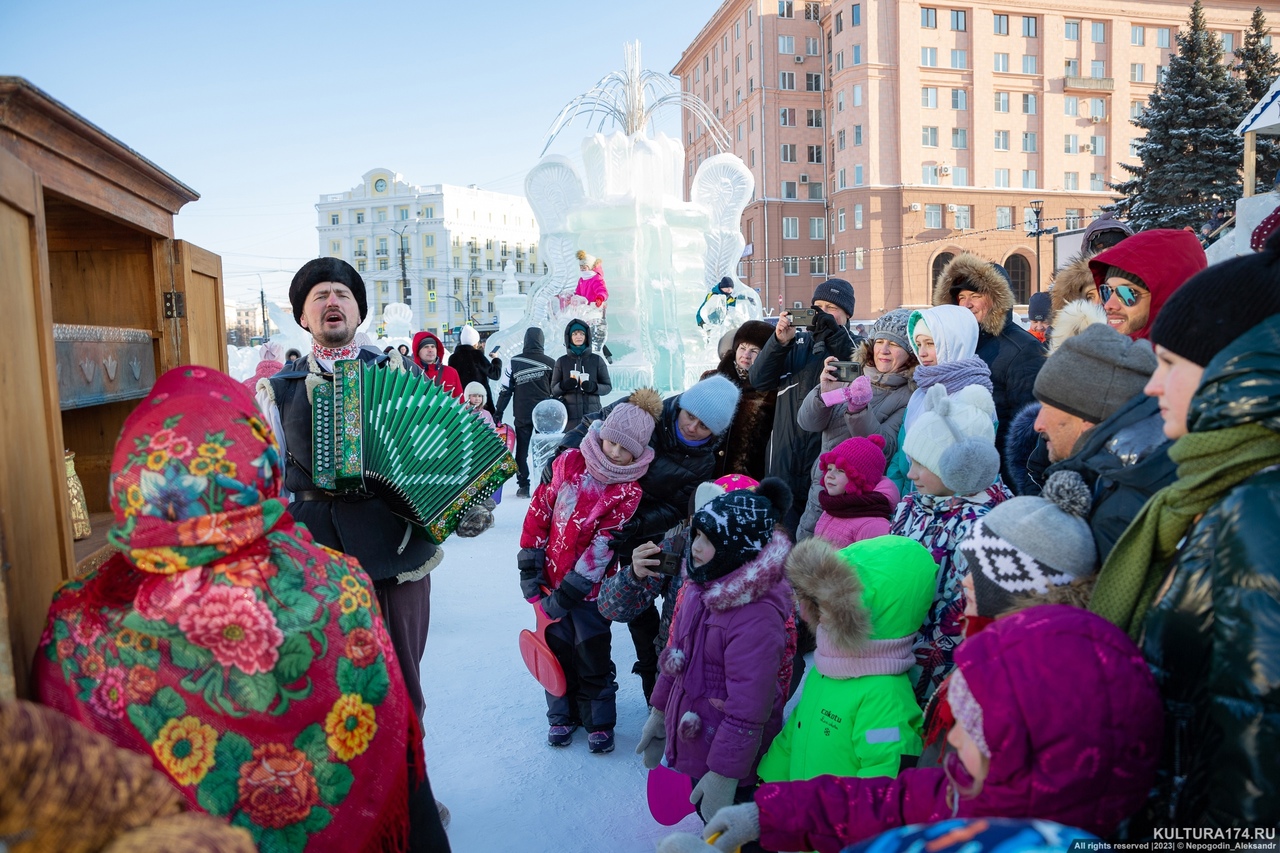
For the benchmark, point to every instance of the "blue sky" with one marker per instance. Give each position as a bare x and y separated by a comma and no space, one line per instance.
261,107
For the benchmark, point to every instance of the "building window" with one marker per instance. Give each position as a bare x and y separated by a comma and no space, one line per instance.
818,265
1002,140
963,217
959,99
812,46
812,11
840,261
840,101
855,15
1004,218
1071,29
787,117
786,9
840,182
857,217
1001,25
333,218
857,175
1028,105
1162,71
817,227
1001,62
929,57
360,217
1098,108
790,266
382,215
839,60
1135,109
840,220
929,97
857,54
1071,68
1002,102
1137,36
789,189
929,137
815,153
859,258
1098,144
813,118
933,216
959,137
1071,106
959,59
1071,180
1029,179
1098,68
813,82
857,96
857,134
1019,278
786,80
788,152
335,247
1002,178
786,44
815,191
960,176
928,18
929,175
1137,72
840,139
382,263
1098,32
1096,183
1162,36
839,23
1074,215
1029,142
959,20
404,213
1071,144
790,228
1028,26
1029,64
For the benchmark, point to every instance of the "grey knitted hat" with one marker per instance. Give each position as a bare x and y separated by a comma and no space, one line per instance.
1094,373
1028,544
892,327
712,401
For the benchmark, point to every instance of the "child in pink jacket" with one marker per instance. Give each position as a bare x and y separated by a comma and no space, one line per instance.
857,499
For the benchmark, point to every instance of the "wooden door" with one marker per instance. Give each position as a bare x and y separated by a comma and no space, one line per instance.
198,276
34,507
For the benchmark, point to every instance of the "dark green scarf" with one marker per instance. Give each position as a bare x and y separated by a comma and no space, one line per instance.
1209,465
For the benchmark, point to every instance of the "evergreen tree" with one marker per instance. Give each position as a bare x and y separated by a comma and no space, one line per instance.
1190,158
1258,65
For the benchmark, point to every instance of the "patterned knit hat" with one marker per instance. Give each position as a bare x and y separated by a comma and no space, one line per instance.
631,423
892,327
1028,544
712,401
739,525
955,438
861,459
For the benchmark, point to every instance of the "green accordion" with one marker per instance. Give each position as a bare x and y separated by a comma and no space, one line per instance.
403,438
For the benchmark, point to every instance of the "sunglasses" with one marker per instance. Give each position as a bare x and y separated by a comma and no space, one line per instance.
1127,295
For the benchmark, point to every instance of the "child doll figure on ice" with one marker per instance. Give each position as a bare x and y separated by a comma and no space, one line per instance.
588,299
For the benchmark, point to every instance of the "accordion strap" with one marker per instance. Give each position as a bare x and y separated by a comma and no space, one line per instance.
324,495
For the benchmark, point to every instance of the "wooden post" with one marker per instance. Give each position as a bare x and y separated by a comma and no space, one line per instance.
1250,161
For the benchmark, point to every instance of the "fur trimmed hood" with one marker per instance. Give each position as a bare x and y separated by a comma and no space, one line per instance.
876,589
981,276
1071,283
1074,318
752,580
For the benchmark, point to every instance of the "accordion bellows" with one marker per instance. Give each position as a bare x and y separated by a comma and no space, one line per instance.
405,439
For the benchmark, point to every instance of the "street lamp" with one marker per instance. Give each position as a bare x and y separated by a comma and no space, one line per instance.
1037,205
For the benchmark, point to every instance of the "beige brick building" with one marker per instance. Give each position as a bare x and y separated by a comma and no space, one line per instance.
886,136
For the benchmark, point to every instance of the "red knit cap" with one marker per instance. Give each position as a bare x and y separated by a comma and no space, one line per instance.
861,459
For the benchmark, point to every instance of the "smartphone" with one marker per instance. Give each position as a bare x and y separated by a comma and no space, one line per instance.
802,319
670,564
846,371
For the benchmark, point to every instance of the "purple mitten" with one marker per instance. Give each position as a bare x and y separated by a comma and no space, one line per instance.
858,394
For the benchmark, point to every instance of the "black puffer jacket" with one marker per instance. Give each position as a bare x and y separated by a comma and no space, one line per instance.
527,379
580,396
1212,635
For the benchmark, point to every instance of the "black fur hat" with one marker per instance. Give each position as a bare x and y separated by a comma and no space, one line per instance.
321,270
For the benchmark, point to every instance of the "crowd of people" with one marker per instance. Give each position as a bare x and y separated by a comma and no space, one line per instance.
1037,573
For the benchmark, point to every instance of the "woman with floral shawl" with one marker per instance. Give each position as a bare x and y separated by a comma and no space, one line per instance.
250,663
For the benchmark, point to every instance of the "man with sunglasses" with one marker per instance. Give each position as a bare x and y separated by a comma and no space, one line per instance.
1136,277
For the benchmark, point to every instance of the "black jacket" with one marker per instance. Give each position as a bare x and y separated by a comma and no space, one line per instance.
1212,634
1015,357
1124,460
792,370
527,379
472,366
580,398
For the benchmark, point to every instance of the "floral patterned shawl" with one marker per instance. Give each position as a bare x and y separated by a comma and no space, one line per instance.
251,663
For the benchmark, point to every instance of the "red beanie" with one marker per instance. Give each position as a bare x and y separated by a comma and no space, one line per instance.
861,459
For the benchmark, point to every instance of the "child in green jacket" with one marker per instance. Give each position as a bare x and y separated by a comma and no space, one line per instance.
857,714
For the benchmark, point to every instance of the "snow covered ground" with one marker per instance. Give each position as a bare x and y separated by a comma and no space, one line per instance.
486,723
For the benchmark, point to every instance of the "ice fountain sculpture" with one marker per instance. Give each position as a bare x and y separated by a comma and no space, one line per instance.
661,254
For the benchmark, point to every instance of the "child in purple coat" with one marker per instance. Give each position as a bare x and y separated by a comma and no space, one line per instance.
718,702
857,499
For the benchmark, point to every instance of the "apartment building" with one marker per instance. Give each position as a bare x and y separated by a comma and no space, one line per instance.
886,137
440,249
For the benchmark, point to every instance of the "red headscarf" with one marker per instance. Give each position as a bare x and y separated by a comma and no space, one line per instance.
249,662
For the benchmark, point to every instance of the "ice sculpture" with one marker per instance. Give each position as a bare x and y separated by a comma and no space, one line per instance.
662,253
549,421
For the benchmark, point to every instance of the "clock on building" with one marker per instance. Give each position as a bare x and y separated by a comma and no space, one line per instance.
380,185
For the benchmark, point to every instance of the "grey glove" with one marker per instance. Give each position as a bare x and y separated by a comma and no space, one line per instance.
683,842
712,793
736,824
653,739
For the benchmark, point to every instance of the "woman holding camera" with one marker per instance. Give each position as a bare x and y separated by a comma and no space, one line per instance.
867,396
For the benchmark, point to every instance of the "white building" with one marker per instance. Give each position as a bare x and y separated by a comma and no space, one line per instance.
440,249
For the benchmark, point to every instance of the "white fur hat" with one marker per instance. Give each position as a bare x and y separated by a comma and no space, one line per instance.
469,336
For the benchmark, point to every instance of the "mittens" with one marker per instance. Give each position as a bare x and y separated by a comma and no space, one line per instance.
858,394
653,739
712,793
533,577
568,384
737,825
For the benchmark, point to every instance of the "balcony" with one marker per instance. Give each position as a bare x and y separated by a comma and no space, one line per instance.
360,253
1092,84
382,253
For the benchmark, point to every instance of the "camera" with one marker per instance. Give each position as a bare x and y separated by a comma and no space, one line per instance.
802,319
670,564
846,371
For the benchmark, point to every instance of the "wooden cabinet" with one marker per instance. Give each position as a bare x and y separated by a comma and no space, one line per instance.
86,239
